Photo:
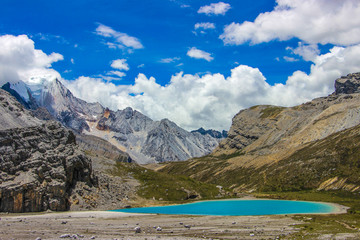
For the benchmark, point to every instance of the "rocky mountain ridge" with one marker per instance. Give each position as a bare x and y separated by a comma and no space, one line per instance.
148,140
145,140
279,148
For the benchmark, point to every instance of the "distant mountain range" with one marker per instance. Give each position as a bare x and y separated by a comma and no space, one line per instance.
145,140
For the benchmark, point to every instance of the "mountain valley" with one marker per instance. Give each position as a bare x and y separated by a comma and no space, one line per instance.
67,154
269,148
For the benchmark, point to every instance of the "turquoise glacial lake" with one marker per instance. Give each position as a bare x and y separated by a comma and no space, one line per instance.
237,208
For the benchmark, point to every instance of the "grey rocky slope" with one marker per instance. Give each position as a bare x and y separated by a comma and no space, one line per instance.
142,138
13,114
100,147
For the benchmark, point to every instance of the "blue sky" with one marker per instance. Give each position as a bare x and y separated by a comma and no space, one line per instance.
157,55
165,29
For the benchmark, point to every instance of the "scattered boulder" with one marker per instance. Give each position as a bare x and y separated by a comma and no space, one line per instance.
65,236
137,230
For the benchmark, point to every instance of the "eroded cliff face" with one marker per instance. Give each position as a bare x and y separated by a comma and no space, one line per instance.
39,167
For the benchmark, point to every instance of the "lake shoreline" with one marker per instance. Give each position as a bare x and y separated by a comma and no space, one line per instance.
120,225
337,209
248,206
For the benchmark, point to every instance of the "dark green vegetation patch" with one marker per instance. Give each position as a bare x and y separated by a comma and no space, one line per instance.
166,187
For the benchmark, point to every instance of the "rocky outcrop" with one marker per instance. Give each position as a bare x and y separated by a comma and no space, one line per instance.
348,84
42,114
39,167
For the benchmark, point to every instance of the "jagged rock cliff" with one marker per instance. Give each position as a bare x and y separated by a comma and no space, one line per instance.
39,167
310,146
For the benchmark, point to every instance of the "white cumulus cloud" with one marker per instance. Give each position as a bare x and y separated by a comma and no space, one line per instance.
117,73
120,39
199,54
204,25
313,21
120,64
169,60
215,8
290,59
19,60
211,100
308,52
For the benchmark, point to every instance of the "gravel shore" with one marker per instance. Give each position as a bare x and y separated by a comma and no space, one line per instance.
117,225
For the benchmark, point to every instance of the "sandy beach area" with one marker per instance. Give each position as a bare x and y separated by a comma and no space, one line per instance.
117,225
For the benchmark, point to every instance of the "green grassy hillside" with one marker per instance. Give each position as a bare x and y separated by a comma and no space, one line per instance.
166,187
333,163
